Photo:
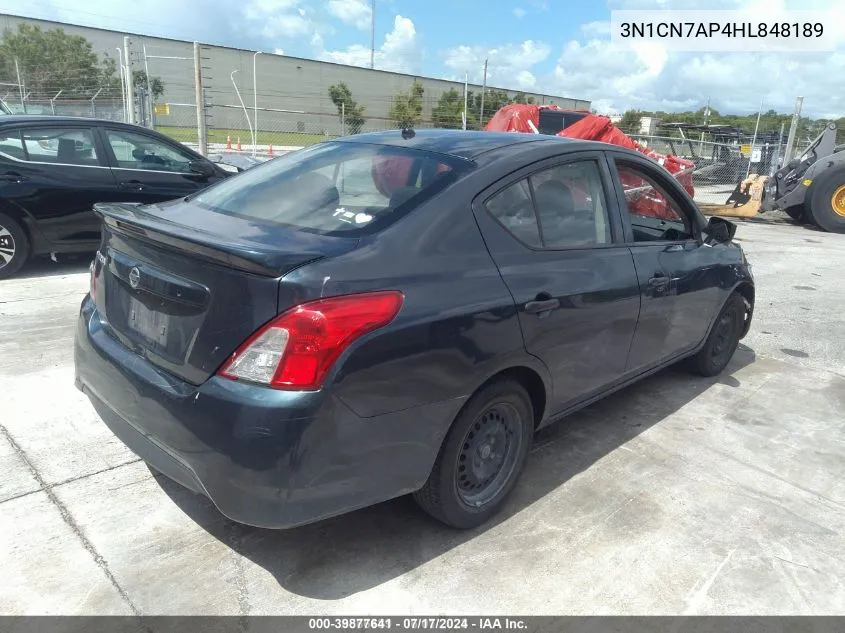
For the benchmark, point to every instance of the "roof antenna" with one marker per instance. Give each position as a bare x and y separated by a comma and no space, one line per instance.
408,133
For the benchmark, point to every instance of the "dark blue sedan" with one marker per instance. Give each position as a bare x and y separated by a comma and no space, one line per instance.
396,313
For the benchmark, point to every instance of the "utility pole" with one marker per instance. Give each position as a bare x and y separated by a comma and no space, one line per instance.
20,84
793,128
255,103
130,88
754,139
373,34
149,91
483,90
202,136
466,80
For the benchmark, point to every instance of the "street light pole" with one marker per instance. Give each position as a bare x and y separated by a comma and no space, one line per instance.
238,92
483,90
254,103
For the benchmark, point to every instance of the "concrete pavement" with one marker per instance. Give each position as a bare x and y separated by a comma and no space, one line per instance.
679,495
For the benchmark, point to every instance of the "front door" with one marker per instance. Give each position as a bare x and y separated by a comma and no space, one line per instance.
552,235
678,274
149,170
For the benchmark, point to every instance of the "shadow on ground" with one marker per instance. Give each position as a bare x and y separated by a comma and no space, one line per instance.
355,552
46,267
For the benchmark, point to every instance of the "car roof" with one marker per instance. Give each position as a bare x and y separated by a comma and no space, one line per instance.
16,119
465,144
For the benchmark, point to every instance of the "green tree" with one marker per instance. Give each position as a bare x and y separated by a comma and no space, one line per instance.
520,97
406,109
449,110
347,107
139,78
630,121
50,61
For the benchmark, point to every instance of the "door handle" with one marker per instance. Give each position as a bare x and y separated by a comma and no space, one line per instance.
658,281
134,185
12,177
541,305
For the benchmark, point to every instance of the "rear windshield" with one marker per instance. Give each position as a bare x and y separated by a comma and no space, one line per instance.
334,188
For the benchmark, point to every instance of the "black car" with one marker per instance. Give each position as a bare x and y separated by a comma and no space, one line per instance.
53,170
396,313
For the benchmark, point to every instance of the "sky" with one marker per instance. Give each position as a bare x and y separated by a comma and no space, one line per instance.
559,47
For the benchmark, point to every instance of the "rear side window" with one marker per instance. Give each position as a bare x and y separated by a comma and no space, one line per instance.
66,146
138,151
11,145
334,188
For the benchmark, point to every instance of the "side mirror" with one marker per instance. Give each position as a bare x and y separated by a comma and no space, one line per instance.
202,167
720,229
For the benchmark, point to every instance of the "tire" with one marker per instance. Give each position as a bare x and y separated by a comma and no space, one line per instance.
14,247
723,339
825,205
796,212
470,480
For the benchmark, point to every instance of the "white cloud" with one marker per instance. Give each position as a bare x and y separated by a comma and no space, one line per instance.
509,65
278,51
358,13
519,12
596,29
400,51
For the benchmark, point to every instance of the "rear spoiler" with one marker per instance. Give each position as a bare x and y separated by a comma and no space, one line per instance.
129,219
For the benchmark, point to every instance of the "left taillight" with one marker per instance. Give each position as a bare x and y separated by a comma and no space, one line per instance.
296,350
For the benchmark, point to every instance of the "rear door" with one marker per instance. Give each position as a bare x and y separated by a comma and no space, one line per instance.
149,169
555,235
55,173
677,273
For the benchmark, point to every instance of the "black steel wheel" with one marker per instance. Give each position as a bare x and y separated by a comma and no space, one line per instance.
481,458
723,339
14,247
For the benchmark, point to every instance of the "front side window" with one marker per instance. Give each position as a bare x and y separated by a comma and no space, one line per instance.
333,188
654,214
137,151
66,146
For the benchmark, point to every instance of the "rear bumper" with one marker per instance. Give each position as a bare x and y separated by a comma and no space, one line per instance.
266,458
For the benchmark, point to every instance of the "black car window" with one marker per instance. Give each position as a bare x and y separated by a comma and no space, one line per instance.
334,188
514,210
11,145
138,151
66,146
655,214
571,205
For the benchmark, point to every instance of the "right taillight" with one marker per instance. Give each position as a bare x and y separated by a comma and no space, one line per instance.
297,349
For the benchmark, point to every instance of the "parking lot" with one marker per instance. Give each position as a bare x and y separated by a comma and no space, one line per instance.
678,495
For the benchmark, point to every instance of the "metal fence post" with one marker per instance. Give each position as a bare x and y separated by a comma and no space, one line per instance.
202,136
793,128
130,85
343,118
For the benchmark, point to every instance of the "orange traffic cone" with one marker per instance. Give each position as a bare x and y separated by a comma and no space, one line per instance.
229,142
239,143
270,151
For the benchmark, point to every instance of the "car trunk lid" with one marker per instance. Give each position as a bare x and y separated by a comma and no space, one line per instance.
183,286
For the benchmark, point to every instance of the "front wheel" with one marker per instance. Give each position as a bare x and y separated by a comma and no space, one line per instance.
481,458
723,339
826,203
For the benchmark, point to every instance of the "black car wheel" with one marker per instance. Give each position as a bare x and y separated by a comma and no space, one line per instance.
481,458
14,247
723,339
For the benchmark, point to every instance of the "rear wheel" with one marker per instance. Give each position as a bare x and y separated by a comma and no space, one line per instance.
826,203
14,247
723,339
481,458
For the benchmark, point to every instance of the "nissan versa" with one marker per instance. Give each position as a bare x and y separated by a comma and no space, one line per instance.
396,313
